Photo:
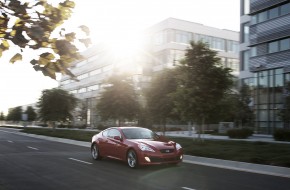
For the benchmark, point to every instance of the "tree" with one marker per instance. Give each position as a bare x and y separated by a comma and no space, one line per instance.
245,114
15,114
35,25
202,83
31,114
235,107
159,100
2,116
118,101
284,114
56,105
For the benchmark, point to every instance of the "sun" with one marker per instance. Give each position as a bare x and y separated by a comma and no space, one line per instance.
125,49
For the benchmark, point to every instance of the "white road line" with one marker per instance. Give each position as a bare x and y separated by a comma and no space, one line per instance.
187,188
10,141
32,148
80,161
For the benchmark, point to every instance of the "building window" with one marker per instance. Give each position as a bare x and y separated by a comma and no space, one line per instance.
279,77
263,16
81,63
65,82
246,7
285,44
273,47
183,37
253,51
74,91
233,46
233,64
223,61
245,60
83,76
82,90
279,45
254,19
273,13
285,9
245,32
93,88
218,44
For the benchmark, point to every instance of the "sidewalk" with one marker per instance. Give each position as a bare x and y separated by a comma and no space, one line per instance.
225,164
253,138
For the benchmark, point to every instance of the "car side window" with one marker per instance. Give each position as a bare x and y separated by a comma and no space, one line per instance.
105,133
113,133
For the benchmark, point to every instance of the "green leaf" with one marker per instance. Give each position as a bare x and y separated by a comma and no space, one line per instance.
16,57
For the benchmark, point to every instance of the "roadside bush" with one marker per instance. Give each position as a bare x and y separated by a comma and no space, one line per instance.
102,127
240,133
282,135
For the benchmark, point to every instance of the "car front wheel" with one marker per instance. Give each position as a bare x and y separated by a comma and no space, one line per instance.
132,159
95,152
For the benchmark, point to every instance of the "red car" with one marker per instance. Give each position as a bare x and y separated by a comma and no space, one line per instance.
135,145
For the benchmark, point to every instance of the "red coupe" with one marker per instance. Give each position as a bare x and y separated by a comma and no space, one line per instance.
135,145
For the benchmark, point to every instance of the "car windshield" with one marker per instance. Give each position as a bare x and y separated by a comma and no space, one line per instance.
139,133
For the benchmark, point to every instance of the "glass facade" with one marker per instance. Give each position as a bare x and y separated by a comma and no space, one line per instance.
267,91
245,60
271,13
245,32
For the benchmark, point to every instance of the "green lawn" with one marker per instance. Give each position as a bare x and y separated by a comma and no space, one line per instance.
277,154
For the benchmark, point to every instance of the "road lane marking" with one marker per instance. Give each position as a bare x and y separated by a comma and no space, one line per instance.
32,148
80,161
187,188
10,141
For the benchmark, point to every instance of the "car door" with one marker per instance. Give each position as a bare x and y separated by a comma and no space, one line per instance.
103,143
111,145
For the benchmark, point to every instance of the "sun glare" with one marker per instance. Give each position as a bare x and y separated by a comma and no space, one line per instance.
125,50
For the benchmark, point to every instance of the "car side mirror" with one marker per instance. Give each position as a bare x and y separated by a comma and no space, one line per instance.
118,138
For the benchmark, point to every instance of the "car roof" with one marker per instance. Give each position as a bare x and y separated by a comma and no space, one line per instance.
129,127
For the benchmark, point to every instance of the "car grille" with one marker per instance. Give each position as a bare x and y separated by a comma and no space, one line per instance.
165,151
157,159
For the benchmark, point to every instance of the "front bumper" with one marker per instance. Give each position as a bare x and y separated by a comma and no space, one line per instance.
157,158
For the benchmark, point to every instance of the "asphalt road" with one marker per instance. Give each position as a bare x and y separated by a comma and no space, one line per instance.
30,163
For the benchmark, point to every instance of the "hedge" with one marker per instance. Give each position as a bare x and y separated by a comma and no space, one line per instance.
239,133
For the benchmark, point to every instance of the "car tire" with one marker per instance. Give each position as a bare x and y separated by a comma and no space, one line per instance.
132,159
95,152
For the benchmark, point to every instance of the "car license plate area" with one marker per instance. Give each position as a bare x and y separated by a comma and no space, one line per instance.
169,159
166,151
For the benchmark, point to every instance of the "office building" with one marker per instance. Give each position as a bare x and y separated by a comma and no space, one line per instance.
166,45
265,58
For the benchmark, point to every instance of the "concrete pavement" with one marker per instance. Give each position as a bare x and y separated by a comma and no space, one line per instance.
233,165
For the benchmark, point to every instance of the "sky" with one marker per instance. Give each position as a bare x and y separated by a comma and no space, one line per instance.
110,20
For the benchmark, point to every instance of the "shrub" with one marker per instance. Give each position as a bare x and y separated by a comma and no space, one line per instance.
102,127
239,133
282,135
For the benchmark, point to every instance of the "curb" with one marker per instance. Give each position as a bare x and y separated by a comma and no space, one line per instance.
239,166
211,162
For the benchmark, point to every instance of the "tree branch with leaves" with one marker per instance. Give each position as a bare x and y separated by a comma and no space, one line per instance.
35,25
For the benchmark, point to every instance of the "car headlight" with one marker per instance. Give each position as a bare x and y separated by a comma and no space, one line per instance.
178,146
144,147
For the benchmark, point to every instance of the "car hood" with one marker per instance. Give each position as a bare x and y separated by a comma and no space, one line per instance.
157,144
